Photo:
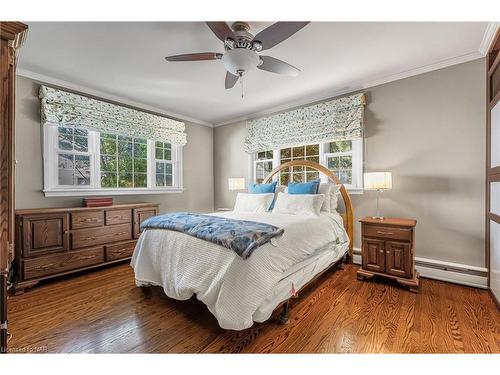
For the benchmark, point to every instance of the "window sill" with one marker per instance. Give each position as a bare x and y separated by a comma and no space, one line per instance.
97,192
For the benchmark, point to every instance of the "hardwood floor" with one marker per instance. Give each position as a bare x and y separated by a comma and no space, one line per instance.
104,311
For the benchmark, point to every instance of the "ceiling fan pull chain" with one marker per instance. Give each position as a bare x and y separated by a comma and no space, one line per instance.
241,84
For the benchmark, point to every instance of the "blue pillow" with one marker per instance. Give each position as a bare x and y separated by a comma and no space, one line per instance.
310,187
262,188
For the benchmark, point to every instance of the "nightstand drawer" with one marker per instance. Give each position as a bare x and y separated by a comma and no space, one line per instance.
393,233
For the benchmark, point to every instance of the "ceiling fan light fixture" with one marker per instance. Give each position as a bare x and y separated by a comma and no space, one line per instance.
257,46
240,59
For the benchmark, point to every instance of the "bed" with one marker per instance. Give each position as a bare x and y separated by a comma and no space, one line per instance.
238,291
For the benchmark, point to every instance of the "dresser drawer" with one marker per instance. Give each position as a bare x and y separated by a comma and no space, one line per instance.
87,219
118,217
99,236
120,250
395,233
57,263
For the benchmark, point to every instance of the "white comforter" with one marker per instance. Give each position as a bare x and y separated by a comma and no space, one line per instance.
232,288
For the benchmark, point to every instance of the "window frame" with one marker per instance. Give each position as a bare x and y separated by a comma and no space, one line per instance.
256,161
51,179
357,163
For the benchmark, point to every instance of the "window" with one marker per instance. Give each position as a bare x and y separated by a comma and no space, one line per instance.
263,165
84,162
299,174
124,161
74,166
164,169
343,158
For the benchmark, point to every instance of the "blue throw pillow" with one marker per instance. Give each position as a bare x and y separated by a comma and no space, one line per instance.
310,187
262,188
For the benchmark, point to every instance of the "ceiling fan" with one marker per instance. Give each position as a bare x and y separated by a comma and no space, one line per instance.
241,49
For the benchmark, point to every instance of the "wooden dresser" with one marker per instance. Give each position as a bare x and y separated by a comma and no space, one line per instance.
388,250
58,241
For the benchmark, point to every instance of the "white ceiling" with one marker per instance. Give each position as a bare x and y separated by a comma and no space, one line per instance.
125,61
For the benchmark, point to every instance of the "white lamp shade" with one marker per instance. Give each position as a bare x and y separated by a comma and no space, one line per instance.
236,183
378,180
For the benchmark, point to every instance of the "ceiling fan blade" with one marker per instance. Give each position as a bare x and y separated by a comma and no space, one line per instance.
231,80
273,65
278,32
220,29
195,56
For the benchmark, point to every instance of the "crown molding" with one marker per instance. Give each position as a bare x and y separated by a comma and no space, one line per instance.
372,82
489,35
100,94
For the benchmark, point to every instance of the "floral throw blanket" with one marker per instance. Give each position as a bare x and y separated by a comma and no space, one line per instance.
241,236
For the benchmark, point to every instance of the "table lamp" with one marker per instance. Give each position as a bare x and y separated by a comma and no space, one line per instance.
378,181
236,183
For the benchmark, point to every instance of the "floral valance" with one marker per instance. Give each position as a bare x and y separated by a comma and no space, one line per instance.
67,109
336,119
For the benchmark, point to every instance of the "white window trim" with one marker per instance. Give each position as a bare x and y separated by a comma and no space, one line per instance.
357,164
50,175
255,161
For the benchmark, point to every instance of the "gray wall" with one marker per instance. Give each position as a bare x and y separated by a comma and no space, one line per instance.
428,130
197,163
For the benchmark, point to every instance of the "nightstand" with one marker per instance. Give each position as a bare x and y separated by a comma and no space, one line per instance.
388,250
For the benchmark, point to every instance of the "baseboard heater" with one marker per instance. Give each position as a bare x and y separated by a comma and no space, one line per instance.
446,271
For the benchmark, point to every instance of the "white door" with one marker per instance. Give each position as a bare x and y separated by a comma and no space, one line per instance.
495,204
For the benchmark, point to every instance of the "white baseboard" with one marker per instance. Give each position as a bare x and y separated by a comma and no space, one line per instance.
445,271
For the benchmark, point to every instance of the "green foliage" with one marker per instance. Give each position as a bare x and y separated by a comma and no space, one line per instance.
108,146
339,146
285,153
141,165
141,180
140,150
108,180
108,163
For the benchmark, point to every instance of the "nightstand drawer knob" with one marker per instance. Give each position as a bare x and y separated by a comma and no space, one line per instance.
387,233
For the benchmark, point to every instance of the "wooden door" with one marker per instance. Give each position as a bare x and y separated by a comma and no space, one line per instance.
141,214
11,38
398,258
373,255
44,234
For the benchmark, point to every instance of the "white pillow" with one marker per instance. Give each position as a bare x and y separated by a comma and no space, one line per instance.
325,188
334,197
331,192
253,202
298,204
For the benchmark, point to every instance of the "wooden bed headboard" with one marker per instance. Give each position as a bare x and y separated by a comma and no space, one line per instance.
347,216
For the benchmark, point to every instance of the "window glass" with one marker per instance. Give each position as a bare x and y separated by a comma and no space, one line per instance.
343,158
164,168
299,173
124,161
73,159
76,158
339,160
263,165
